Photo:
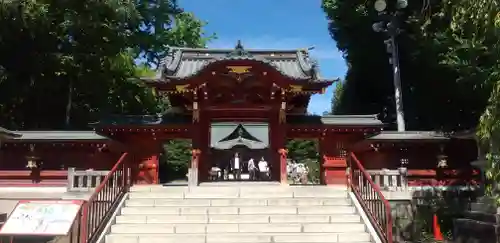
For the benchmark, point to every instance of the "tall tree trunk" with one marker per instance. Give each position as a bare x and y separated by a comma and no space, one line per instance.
69,103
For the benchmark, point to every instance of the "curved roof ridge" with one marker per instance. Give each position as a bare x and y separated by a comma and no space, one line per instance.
270,50
183,63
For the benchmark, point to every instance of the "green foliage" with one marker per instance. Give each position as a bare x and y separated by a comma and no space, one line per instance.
449,65
337,97
302,149
305,151
66,63
443,62
176,159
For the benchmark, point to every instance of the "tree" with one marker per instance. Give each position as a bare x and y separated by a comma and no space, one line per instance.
65,64
437,95
306,151
337,98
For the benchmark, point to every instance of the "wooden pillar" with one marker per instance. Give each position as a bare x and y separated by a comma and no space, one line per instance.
277,130
200,135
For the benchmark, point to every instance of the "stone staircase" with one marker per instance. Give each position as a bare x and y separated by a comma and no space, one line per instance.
238,214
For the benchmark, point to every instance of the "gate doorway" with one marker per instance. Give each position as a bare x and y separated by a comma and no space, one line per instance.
240,152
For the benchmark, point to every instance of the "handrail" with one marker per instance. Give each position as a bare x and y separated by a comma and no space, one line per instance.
370,198
99,207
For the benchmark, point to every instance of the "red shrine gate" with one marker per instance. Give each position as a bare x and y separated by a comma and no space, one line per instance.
208,88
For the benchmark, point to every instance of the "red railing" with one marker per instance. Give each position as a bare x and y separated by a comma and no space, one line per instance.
106,197
371,199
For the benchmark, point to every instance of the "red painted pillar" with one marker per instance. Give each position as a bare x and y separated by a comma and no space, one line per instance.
277,133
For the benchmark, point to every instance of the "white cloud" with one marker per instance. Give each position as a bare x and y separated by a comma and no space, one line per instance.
269,42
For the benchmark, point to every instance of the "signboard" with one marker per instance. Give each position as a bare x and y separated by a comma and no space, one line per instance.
42,217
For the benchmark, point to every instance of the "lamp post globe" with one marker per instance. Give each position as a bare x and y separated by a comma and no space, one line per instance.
401,4
380,5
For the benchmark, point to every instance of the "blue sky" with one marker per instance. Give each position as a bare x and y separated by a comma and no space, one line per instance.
272,24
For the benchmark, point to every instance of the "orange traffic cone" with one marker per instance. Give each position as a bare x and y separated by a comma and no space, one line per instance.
437,230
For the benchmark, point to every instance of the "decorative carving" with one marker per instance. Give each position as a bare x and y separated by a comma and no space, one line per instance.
239,51
239,69
296,88
239,73
181,88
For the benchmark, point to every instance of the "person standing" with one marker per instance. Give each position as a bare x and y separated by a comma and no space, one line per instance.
263,169
236,166
251,169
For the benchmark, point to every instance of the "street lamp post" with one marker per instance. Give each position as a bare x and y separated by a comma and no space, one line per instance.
390,26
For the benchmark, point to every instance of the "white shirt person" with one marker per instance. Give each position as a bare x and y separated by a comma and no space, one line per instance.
263,169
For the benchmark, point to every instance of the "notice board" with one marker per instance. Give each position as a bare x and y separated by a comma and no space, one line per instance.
42,217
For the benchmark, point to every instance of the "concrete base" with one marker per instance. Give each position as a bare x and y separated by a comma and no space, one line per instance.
192,177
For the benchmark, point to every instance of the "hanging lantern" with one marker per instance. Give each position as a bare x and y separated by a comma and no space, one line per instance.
442,159
282,114
196,112
32,160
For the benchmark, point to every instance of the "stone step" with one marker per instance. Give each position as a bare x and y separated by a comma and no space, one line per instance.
468,230
243,188
483,217
236,228
240,238
137,202
247,210
237,194
237,219
483,207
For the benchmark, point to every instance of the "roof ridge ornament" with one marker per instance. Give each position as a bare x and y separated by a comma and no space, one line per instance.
239,51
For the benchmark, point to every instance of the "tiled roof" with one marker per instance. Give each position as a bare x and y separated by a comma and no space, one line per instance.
182,63
57,136
168,118
4,133
339,120
409,136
